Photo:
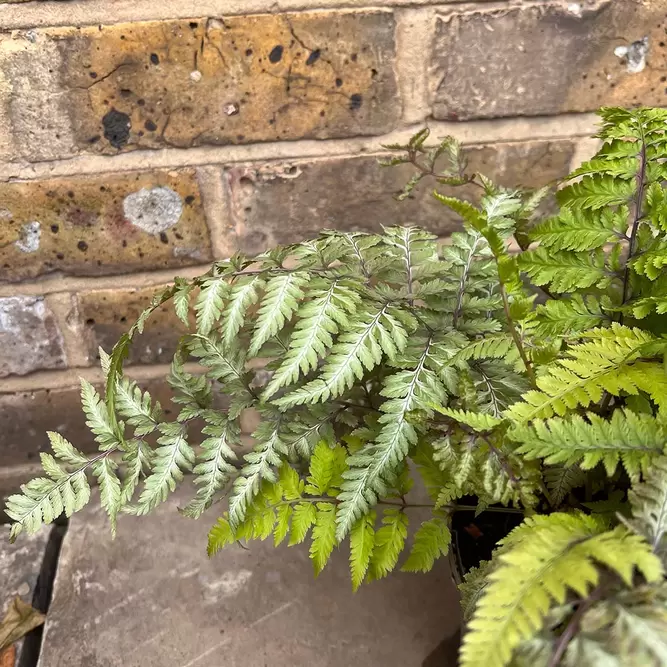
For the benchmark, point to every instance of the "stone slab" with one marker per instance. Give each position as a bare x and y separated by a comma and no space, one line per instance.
20,568
549,58
151,598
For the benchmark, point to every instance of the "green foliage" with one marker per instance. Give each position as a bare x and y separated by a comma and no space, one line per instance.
530,381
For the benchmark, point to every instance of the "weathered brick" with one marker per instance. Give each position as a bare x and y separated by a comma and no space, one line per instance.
29,337
286,202
547,58
108,314
207,81
101,225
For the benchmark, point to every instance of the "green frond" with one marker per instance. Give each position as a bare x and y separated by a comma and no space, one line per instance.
652,262
282,527
172,458
499,346
137,460
319,319
97,417
374,335
303,517
280,301
431,541
649,506
596,192
540,561
215,462
372,468
607,361
565,271
104,471
573,315
628,438
193,392
389,543
210,303
473,587
220,535
327,465
137,408
478,421
362,541
560,480
244,294
182,299
260,464
323,535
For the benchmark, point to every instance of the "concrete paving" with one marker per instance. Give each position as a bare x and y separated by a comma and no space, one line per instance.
152,598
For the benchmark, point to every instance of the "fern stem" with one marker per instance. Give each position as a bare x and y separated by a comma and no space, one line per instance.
516,338
573,626
637,215
463,281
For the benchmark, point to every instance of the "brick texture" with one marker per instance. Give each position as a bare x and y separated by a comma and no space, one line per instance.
285,202
107,314
29,337
204,81
548,58
101,225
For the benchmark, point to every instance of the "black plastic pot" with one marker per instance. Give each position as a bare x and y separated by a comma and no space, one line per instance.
473,540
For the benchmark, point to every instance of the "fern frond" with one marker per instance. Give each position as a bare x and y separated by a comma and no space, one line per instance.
649,506
260,464
540,561
244,294
137,407
581,230
499,346
220,535
560,480
193,392
607,361
182,299
596,192
633,439
562,316
319,320
303,517
362,541
652,262
97,417
110,489
323,536
214,468
473,586
478,421
431,541
374,466
327,465
173,457
565,271
137,459
389,543
377,333
281,298
210,303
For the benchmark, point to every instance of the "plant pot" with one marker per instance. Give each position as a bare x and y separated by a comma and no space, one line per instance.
473,541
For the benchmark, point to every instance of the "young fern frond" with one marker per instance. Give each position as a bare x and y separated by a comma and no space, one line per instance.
649,507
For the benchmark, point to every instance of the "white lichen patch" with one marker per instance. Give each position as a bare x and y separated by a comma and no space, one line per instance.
634,55
29,237
153,210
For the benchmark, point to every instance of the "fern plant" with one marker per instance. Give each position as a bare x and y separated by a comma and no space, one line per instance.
532,381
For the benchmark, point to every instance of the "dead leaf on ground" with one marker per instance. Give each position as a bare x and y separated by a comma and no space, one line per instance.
19,620
8,656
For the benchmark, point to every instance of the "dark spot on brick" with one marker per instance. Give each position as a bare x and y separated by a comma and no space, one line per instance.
356,100
116,128
125,92
662,44
141,102
163,237
90,321
93,75
276,54
60,256
353,57
155,59
55,229
124,243
194,25
313,57
82,246
189,200
95,139
150,126
374,72
248,52
322,113
123,319
339,83
70,194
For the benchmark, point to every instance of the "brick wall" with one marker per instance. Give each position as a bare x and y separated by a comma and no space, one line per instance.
139,141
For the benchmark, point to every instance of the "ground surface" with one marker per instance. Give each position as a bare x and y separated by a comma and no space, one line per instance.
152,598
